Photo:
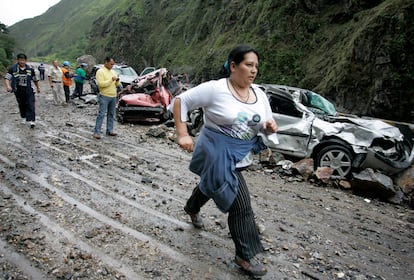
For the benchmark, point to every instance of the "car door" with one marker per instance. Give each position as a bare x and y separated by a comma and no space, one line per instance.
294,126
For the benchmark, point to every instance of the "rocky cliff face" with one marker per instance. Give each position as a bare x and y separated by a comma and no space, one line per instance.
356,53
375,77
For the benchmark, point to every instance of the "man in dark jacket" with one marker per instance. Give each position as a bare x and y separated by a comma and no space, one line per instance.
41,69
18,79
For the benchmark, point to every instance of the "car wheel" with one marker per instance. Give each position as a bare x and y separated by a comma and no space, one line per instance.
337,157
167,115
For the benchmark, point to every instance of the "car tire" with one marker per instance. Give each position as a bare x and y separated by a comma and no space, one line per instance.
337,157
167,115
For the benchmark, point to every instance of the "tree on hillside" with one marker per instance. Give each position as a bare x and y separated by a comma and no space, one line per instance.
7,44
3,29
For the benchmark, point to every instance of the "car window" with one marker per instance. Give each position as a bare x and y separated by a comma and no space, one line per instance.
125,71
284,107
147,70
128,71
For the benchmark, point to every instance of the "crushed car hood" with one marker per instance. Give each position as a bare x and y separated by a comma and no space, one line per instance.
357,131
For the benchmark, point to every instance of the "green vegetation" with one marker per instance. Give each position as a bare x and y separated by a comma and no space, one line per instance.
6,48
356,53
60,33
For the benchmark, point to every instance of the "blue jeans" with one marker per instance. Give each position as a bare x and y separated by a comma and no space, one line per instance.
106,106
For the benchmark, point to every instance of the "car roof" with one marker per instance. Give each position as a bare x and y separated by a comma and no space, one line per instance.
122,66
276,89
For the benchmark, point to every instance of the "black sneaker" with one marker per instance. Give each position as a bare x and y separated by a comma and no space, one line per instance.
32,124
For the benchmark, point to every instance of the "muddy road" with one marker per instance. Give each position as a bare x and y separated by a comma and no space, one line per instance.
72,207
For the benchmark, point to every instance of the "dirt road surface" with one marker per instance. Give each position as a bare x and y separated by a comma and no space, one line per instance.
72,207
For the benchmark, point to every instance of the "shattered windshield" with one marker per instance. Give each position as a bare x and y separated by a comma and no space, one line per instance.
319,104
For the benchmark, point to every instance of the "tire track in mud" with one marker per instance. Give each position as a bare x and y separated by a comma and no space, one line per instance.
122,174
20,261
110,155
142,147
105,219
122,177
59,231
120,170
170,161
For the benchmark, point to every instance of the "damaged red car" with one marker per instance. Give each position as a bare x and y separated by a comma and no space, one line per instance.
147,98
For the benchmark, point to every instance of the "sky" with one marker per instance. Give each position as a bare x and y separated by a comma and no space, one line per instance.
13,11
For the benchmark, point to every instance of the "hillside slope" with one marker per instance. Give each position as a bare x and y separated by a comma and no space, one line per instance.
62,31
356,53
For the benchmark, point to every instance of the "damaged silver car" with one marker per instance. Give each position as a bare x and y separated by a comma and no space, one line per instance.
310,127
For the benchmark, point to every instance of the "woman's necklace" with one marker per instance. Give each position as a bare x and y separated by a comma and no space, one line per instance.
243,98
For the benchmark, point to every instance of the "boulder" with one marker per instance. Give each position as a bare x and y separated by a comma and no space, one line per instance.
405,181
324,173
88,59
304,167
373,184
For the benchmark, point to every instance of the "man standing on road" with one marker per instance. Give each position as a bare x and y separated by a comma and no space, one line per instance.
55,80
19,80
107,81
41,69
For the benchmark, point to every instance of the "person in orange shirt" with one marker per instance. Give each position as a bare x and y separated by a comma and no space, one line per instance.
66,79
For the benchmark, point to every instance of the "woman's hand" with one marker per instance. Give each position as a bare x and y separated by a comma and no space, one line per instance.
270,126
186,143
184,140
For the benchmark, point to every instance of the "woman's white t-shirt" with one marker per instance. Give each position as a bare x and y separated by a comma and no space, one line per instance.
223,112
